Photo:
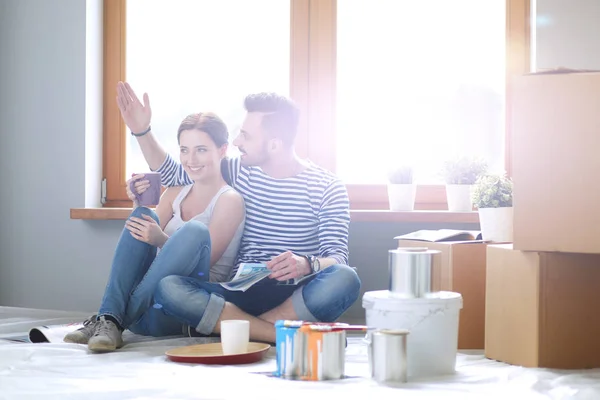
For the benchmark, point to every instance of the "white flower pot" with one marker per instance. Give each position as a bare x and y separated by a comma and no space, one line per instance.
459,197
402,196
496,224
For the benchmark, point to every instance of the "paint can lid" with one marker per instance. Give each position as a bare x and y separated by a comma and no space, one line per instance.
323,326
391,332
288,324
388,301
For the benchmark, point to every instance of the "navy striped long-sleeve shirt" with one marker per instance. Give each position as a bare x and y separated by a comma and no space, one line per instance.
308,214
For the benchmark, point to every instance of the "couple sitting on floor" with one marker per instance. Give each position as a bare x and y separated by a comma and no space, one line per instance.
268,206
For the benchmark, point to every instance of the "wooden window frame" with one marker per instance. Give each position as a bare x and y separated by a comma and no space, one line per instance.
312,86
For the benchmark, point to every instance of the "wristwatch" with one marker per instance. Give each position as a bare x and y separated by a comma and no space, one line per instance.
315,264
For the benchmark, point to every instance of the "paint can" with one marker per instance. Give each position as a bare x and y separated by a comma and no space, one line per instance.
410,271
285,337
323,351
387,352
310,351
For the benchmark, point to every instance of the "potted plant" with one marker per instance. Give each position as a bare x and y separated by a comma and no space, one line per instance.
401,189
493,197
460,174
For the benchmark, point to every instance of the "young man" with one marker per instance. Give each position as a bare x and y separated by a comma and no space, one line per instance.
297,224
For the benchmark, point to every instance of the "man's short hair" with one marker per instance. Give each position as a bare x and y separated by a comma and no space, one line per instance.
282,114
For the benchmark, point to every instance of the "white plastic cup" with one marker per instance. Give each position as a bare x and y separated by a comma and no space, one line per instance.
235,336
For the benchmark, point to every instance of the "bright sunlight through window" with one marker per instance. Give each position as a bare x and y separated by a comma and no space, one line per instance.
203,55
418,82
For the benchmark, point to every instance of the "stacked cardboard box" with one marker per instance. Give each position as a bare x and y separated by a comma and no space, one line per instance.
543,291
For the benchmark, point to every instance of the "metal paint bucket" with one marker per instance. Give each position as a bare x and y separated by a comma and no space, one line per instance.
387,352
311,351
287,358
323,349
410,271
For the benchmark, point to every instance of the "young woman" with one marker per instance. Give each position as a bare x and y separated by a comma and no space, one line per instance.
154,245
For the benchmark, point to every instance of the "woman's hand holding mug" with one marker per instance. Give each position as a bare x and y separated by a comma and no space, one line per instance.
145,229
137,185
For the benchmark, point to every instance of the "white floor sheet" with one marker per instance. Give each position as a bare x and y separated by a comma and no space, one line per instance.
141,371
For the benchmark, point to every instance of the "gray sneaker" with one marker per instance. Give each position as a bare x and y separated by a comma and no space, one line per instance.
83,334
107,337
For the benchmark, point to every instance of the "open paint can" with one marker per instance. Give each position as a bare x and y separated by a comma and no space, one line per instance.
323,352
388,361
288,360
310,351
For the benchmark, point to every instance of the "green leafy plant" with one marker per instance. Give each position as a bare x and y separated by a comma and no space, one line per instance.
463,170
401,175
493,191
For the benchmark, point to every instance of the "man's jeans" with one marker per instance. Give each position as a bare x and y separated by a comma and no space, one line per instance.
137,270
199,304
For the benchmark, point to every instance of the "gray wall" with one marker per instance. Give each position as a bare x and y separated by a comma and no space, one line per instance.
50,151
46,105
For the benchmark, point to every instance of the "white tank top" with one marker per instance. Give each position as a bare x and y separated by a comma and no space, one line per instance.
220,272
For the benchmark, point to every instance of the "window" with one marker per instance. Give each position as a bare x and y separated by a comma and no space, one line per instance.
190,56
197,55
415,85
375,80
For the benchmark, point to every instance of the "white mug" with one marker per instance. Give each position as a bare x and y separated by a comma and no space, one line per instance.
235,336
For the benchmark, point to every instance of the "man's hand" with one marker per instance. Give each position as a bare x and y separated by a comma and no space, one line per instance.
136,115
288,266
146,230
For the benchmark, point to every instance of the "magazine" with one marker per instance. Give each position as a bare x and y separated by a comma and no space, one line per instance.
442,235
249,274
43,334
52,333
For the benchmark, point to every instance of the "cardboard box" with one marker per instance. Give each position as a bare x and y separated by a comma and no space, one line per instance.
461,268
555,162
542,308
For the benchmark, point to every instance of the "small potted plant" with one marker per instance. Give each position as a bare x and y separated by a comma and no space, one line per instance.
401,189
460,174
493,197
